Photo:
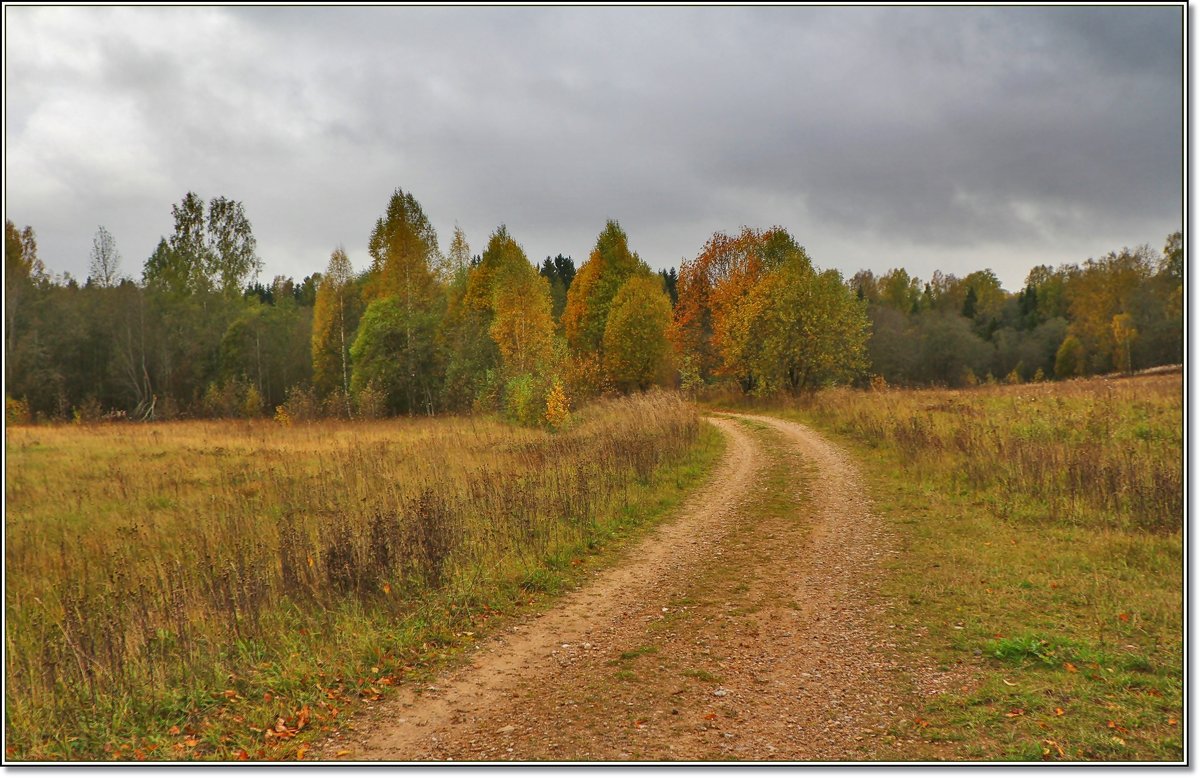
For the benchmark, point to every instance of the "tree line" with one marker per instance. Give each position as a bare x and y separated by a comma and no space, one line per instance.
420,330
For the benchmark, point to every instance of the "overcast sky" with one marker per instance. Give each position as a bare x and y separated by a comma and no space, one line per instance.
928,138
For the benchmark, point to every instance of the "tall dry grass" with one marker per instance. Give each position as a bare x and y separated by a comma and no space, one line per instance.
1099,451
1039,562
147,566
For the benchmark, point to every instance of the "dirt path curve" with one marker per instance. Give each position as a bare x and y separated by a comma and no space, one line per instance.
747,628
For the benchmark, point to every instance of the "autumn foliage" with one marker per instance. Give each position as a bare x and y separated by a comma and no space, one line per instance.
420,331
752,308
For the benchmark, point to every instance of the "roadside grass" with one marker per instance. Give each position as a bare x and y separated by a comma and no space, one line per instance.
1038,584
234,591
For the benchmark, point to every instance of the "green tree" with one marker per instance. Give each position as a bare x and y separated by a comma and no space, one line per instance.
803,329
393,353
893,346
23,274
949,349
266,348
560,272
468,351
403,250
1157,309
233,248
503,330
1069,360
970,304
211,251
637,353
899,290
670,281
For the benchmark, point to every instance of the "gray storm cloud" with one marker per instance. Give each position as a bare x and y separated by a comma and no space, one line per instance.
951,138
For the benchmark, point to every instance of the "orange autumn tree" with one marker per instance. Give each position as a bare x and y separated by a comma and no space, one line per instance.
710,288
589,299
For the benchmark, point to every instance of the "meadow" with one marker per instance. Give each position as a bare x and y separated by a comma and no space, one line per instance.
230,590
1038,583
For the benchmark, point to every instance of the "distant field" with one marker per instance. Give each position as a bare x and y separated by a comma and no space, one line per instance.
1040,577
226,590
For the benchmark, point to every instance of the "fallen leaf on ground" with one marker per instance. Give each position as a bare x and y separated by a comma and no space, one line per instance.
1052,744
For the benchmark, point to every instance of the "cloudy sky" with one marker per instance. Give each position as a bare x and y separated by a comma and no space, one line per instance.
928,138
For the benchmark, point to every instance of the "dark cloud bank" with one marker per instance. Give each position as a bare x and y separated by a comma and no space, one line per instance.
951,138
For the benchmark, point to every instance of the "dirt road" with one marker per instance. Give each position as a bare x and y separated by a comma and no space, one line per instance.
745,629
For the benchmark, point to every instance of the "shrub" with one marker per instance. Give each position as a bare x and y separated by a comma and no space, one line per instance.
252,402
521,400
371,401
1068,362
16,411
558,406
89,413
302,404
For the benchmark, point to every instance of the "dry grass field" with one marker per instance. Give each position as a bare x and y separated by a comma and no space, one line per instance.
226,589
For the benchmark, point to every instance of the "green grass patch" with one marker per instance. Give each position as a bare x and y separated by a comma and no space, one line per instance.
701,675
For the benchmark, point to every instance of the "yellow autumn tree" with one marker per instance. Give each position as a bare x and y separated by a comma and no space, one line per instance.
590,297
1124,333
711,287
522,325
1102,289
332,331
511,302
637,353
